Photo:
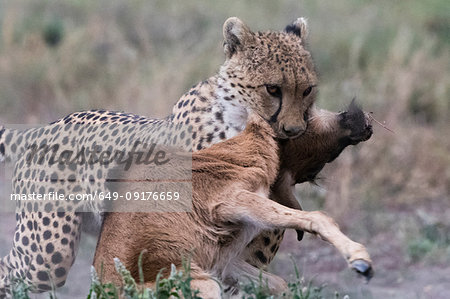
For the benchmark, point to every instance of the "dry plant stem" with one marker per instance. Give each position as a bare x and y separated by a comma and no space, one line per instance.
381,124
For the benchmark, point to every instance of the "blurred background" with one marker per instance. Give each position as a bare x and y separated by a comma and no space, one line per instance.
390,193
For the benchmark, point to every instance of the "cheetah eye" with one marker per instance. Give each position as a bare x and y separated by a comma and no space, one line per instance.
307,91
274,90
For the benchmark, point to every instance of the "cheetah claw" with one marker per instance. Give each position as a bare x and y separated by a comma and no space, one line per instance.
300,235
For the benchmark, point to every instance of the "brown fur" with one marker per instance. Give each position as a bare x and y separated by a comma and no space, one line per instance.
231,183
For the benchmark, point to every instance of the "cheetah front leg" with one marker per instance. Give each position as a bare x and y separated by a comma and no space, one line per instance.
45,251
260,256
251,208
282,192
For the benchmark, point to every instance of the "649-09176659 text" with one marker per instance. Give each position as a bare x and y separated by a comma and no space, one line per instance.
103,196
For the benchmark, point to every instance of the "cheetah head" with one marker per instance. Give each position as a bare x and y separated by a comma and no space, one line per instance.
272,73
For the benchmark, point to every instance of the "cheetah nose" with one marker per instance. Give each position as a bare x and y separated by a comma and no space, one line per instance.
292,131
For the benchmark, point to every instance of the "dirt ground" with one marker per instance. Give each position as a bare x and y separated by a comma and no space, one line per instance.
321,263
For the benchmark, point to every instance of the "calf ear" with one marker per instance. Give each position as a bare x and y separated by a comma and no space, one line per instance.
236,35
299,27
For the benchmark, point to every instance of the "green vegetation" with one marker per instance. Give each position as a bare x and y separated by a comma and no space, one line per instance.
176,285
178,282
20,289
432,243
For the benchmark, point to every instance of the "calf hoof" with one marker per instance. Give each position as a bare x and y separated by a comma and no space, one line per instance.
363,268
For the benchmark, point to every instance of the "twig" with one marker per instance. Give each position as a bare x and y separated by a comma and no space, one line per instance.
381,124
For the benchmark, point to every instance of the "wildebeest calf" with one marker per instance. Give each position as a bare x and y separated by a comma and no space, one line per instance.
231,182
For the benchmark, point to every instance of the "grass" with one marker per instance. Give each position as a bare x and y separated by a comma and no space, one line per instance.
432,245
176,285
178,282
20,289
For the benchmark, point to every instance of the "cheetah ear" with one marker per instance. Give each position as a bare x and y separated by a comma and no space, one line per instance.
299,27
236,34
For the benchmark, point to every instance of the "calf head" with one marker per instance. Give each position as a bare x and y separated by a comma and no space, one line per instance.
326,137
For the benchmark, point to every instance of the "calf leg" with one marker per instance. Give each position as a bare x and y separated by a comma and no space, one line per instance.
251,208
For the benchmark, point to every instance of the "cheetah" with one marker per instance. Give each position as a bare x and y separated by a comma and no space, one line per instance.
232,208
267,73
